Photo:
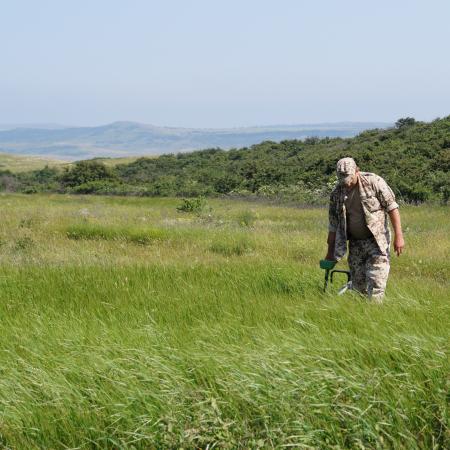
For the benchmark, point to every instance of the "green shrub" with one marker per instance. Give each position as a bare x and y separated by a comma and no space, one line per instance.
85,171
195,205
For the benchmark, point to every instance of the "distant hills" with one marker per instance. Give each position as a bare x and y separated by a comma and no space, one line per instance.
121,139
44,126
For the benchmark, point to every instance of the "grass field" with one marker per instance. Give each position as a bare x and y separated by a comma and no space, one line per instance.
128,324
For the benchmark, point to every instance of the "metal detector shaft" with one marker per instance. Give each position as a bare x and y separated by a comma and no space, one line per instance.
326,280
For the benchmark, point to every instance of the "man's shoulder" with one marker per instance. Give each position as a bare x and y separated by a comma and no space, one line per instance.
371,178
369,175
336,192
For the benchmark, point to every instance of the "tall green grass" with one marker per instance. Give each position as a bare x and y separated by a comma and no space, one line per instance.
108,344
230,245
111,233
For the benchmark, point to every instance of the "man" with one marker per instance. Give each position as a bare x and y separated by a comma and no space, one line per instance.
358,211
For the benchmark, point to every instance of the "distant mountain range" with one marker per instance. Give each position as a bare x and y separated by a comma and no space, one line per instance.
43,126
131,139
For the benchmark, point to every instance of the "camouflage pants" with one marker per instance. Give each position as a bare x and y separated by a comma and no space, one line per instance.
369,268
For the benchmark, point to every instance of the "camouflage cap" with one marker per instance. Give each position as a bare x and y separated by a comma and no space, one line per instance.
345,169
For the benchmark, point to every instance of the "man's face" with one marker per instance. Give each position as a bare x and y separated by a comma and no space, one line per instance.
350,183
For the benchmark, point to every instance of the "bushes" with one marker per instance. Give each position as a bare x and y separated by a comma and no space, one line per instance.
405,122
414,193
84,172
193,205
95,187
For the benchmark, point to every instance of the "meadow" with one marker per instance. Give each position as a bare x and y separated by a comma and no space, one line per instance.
126,323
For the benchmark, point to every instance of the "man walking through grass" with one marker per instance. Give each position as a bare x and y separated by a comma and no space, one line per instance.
359,206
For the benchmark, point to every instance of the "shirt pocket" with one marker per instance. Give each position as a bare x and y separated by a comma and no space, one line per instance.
372,204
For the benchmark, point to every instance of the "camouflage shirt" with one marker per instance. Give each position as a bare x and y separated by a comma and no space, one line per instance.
377,200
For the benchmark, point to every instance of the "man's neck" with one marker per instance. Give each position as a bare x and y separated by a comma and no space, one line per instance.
350,189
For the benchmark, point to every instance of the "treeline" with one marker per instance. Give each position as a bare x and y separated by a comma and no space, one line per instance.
414,157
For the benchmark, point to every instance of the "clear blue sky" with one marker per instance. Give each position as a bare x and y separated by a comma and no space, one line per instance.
220,63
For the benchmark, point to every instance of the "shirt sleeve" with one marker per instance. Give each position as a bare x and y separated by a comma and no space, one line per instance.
332,215
385,195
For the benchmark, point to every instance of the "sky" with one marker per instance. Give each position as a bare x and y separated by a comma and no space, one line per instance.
223,63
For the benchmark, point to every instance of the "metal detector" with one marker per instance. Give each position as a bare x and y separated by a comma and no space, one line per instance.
328,266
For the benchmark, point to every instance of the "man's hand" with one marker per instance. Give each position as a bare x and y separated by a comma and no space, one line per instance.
399,244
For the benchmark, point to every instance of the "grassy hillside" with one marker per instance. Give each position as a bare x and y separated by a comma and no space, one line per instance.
128,324
18,164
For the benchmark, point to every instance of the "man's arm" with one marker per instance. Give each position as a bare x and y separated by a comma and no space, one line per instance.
331,243
387,200
332,227
399,242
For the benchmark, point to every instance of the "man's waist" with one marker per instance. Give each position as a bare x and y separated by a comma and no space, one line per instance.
352,238
359,233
